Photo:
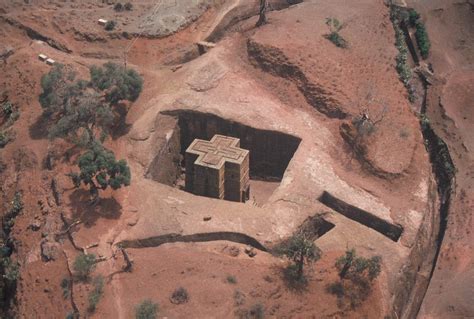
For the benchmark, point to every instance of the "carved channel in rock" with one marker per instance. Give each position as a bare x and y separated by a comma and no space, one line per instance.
361,216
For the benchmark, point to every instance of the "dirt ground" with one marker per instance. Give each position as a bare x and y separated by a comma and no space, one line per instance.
284,77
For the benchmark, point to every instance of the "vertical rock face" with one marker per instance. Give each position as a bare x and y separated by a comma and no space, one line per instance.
451,31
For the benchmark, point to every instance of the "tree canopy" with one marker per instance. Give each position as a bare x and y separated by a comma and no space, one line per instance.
116,82
99,169
300,250
84,111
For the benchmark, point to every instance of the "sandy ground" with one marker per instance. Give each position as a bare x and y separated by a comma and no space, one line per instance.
238,89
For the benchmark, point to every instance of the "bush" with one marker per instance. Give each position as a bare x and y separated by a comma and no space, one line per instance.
84,264
413,17
336,38
66,286
402,67
179,296
239,298
128,6
334,27
422,39
231,279
356,277
6,137
96,293
11,269
7,108
110,25
146,310
257,311
118,7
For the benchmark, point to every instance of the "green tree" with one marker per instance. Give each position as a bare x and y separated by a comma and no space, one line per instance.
83,111
117,82
356,276
99,169
354,267
75,110
301,250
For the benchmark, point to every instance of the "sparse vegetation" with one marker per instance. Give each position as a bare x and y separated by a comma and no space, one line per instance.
110,25
256,311
128,6
8,115
9,269
179,296
334,27
96,293
146,310
403,69
356,276
239,298
84,264
6,137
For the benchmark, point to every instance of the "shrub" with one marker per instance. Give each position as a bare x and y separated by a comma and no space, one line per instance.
96,293
231,279
110,25
257,311
146,310
179,296
422,39
84,264
66,286
6,137
118,7
336,38
7,108
16,205
334,27
239,298
128,6
402,67
11,269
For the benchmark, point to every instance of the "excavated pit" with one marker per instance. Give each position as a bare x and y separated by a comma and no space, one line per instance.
361,216
270,151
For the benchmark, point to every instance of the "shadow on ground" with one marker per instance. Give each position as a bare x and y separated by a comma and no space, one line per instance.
81,208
